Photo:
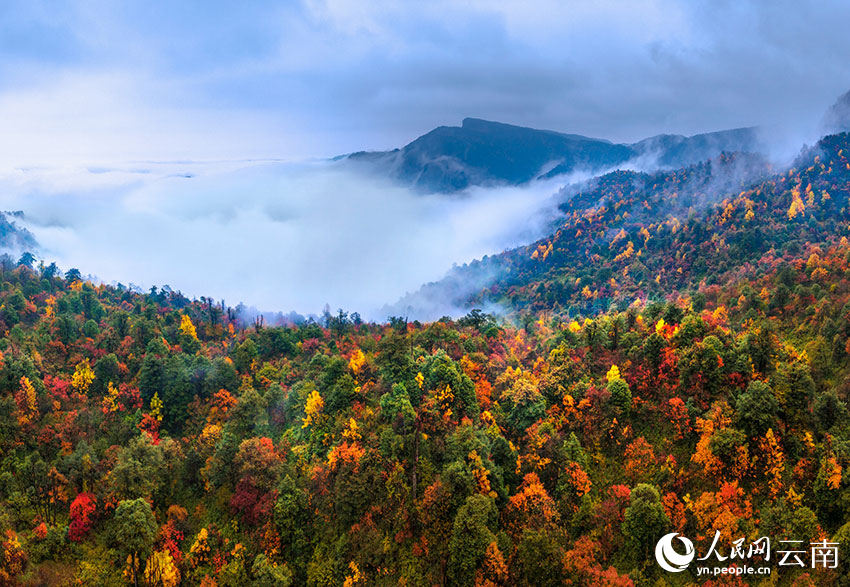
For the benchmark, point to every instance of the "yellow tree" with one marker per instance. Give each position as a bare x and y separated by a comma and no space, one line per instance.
161,571
25,398
774,462
83,377
187,328
312,409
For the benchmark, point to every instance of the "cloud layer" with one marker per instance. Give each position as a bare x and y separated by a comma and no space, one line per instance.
272,235
104,81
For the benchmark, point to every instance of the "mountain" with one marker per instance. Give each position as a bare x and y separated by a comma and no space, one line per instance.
837,118
480,152
14,238
629,235
681,365
552,450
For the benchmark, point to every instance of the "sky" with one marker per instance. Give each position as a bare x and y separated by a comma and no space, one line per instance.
184,143
99,81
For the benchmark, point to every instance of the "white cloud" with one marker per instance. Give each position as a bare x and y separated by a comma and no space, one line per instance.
276,236
91,117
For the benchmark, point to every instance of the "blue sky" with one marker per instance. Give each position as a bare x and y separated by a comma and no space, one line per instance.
99,81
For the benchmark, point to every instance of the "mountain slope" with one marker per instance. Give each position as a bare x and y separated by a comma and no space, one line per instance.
632,235
837,118
481,152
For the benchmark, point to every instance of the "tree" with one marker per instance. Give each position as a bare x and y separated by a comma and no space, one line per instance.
13,560
83,509
138,470
842,536
270,574
134,532
621,395
644,522
292,520
27,260
160,570
245,355
526,404
531,508
471,535
188,337
830,410
756,409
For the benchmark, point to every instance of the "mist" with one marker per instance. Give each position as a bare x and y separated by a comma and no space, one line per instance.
277,236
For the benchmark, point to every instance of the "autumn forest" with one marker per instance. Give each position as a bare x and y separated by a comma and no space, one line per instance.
673,358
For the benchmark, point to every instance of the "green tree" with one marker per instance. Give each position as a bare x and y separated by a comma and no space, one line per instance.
246,353
471,534
134,533
137,472
621,395
644,523
293,522
268,574
756,409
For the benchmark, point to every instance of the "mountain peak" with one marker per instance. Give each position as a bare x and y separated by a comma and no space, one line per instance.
483,152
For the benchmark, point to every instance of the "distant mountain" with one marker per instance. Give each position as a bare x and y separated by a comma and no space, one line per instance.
837,118
480,152
14,238
629,235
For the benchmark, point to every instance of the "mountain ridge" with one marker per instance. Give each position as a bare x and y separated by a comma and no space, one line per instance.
631,235
450,159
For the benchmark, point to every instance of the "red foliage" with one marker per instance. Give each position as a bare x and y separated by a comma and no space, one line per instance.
170,538
677,414
310,345
83,510
129,397
253,504
40,531
150,425
57,388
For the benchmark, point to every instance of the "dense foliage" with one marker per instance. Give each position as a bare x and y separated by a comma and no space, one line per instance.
665,374
634,235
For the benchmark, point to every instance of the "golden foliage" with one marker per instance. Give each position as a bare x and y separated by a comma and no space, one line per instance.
774,462
199,552
354,577
351,431
83,377
160,570
356,362
109,402
314,406
27,401
797,205
187,328
156,407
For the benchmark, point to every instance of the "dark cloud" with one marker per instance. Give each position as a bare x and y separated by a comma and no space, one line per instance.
320,77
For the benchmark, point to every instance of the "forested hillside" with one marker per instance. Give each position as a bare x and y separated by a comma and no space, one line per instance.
664,376
630,235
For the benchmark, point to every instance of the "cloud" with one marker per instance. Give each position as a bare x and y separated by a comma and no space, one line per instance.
93,94
277,236
98,80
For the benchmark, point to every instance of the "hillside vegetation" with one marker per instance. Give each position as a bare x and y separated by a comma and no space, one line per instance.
667,371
